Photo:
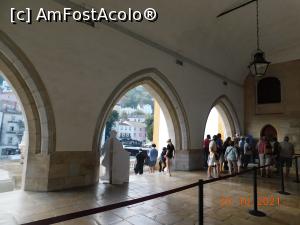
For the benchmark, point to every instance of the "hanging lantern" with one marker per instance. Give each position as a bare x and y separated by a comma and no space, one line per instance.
259,65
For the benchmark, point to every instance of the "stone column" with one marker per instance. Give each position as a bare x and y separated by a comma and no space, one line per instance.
186,160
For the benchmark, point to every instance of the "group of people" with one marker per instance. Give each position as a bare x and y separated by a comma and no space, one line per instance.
236,153
165,160
276,154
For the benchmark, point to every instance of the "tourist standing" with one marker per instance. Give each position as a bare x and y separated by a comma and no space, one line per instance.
162,160
286,154
276,154
237,137
206,149
231,155
247,152
170,155
220,157
261,146
241,150
225,145
268,158
153,154
140,160
212,158
239,158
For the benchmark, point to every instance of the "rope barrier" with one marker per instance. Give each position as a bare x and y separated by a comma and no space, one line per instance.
101,209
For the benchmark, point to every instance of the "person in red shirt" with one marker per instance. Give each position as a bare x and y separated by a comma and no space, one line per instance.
261,148
206,149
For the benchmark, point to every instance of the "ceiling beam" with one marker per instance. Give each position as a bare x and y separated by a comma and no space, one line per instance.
235,8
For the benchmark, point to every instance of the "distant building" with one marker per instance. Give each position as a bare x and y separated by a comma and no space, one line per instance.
9,101
5,87
146,109
11,121
121,109
137,118
131,129
11,132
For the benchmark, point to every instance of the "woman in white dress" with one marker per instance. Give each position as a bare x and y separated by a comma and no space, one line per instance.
212,157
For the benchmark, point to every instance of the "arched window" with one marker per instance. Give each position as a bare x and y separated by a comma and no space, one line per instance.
268,90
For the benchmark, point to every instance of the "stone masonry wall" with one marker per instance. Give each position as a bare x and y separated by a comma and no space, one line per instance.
284,116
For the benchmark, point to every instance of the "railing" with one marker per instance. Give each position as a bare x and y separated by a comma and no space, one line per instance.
200,184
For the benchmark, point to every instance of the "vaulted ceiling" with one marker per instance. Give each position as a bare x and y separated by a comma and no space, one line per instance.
191,30
224,44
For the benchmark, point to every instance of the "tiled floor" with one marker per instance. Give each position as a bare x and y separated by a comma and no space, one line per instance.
224,202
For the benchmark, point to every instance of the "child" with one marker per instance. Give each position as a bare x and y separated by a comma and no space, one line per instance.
162,160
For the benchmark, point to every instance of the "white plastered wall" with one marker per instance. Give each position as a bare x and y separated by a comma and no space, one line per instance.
81,65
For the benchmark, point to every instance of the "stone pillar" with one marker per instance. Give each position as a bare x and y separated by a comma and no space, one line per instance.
73,169
187,160
60,170
36,173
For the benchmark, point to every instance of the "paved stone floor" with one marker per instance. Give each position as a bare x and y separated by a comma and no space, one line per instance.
224,202
14,169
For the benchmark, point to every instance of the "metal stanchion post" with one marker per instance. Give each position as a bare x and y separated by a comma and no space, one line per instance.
255,211
200,201
282,191
297,175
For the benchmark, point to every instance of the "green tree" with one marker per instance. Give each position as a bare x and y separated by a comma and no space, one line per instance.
137,113
149,126
113,117
136,96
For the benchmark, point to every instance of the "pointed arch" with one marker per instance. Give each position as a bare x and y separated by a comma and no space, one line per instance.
27,83
40,124
230,118
163,91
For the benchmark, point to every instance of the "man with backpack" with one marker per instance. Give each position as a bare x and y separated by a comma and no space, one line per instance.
286,154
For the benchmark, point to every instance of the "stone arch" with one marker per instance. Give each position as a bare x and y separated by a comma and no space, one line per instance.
230,118
159,86
40,125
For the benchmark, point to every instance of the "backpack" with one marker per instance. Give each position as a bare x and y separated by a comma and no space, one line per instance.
276,149
247,150
268,149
